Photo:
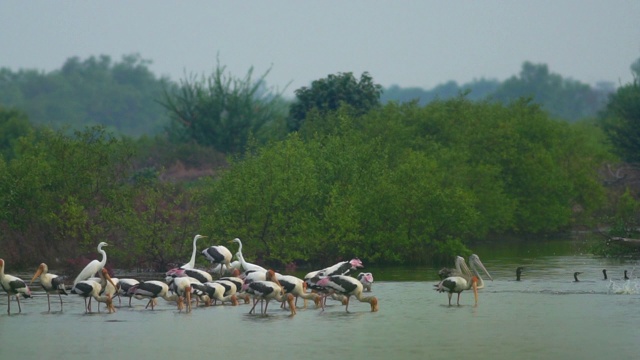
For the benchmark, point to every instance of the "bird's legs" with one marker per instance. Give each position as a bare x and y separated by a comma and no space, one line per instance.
450,295
459,298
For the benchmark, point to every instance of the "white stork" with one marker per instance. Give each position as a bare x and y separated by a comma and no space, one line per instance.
13,285
94,266
348,286
51,283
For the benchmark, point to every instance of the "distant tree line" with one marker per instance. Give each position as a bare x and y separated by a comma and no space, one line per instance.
392,183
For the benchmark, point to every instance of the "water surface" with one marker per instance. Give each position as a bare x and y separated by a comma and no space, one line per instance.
546,315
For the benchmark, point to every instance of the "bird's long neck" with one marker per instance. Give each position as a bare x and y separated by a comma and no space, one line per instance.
104,257
192,262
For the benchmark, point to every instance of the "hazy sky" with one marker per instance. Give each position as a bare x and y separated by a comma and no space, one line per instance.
409,43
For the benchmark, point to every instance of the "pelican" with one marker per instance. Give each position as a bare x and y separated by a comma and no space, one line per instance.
51,283
475,263
447,272
348,286
94,266
13,285
218,255
192,263
246,265
457,284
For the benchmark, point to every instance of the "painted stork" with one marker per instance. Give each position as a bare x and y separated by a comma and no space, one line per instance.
13,285
192,263
235,264
217,291
94,266
180,283
51,283
92,289
218,255
366,279
267,291
246,265
296,287
151,290
348,286
123,288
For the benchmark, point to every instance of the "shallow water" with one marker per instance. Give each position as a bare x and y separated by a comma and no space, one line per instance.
546,315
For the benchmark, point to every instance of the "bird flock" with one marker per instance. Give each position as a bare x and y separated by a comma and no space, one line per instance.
246,283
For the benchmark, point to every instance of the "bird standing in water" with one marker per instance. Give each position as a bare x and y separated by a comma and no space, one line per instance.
519,272
575,276
604,272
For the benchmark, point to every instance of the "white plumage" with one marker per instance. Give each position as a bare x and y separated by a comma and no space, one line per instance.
51,283
13,285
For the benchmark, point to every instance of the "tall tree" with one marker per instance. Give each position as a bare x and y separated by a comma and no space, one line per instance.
330,93
222,111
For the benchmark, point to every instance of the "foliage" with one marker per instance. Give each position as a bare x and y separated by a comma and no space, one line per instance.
13,125
328,94
223,112
120,96
621,121
563,98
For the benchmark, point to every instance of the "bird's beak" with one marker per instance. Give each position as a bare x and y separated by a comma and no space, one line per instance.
475,291
106,275
374,304
481,265
38,273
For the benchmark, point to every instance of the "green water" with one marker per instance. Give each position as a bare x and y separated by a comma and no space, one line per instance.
545,316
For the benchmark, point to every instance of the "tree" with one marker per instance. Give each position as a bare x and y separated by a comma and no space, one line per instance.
621,121
13,125
222,111
330,93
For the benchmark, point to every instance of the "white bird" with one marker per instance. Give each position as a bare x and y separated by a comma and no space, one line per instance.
296,287
91,289
475,263
458,284
181,284
192,263
366,279
217,291
123,288
246,265
267,291
348,286
94,266
341,268
13,285
218,255
152,290
235,264
51,283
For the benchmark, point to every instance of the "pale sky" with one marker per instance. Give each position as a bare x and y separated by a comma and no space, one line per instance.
419,43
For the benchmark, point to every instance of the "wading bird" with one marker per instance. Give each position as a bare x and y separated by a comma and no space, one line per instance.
94,266
604,272
247,266
13,285
51,283
367,280
575,276
519,273
91,289
218,255
267,291
348,286
192,263
458,284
